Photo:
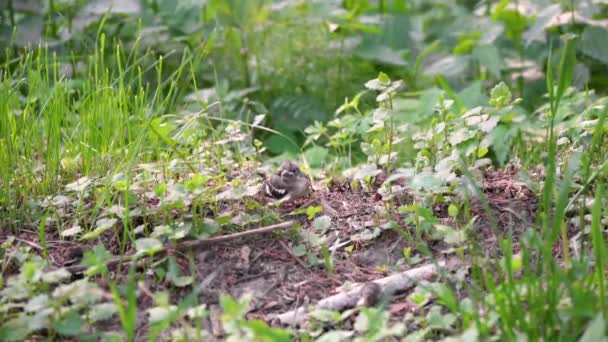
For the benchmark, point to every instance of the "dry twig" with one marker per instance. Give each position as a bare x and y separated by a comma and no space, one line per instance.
398,282
187,245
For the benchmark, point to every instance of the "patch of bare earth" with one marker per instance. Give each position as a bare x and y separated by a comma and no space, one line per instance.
513,209
267,267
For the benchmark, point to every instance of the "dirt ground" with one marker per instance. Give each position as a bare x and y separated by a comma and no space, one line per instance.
267,267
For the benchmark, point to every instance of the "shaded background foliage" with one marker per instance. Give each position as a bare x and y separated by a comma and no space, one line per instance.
299,60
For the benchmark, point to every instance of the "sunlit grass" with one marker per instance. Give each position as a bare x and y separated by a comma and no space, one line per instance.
55,129
538,293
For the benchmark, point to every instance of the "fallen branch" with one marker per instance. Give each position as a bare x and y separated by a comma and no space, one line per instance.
187,245
206,242
392,284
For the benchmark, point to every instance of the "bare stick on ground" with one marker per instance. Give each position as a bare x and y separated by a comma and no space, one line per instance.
399,282
187,245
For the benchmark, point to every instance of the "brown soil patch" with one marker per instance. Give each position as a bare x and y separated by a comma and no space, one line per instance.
267,267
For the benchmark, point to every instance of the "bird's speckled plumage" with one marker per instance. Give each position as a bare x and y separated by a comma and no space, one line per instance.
275,187
288,184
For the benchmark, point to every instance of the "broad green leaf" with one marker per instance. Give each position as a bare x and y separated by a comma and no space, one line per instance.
80,292
197,181
101,226
370,318
209,227
473,95
383,78
489,57
336,336
375,84
482,151
368,170
438,320
56,276
182,281
536,32
426,181
593,43
450,67
96,259
29,31
75,229
103,311
452,210
79,185
322,223
41,319
596,330
312,211
314,132
234,309
197,312
161,231
16,329
31,271
327,258
121,185
450,235
148,245
159,314
299,250
70,325
488,125
37,303
280,144
394,30
181,230
461,135
160,131
293,113
500,95
502,141
316,156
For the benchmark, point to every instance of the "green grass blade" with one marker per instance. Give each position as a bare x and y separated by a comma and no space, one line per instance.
599,246
566,69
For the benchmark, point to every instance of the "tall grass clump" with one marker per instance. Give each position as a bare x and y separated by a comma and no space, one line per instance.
61,120
544,291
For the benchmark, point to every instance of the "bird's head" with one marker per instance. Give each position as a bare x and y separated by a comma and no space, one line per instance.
290,171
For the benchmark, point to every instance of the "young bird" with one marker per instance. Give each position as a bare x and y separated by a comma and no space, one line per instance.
288,184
